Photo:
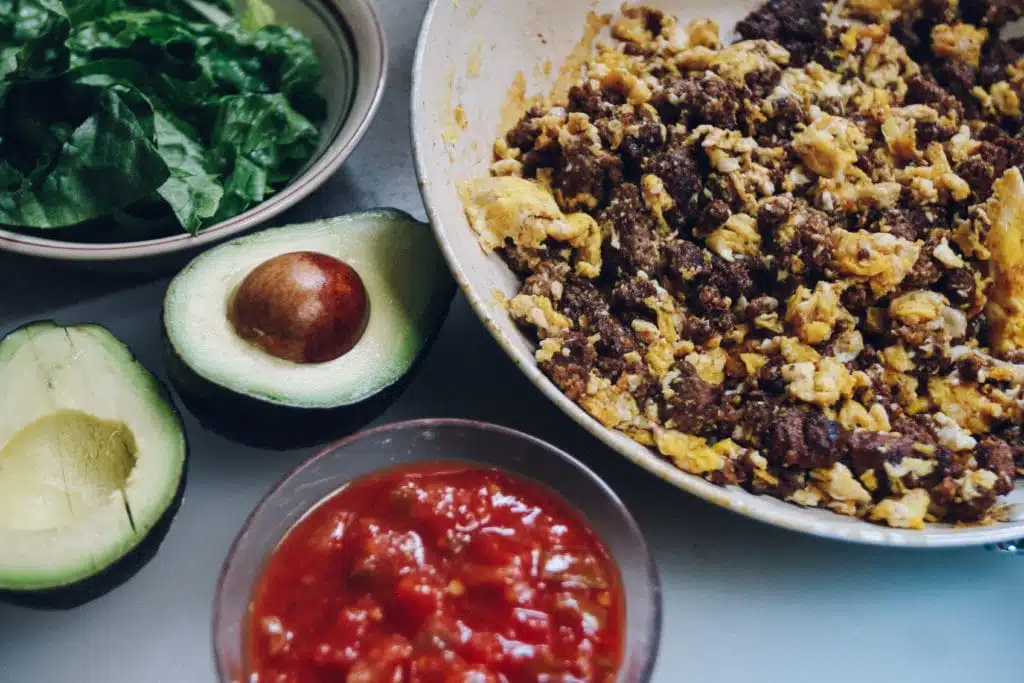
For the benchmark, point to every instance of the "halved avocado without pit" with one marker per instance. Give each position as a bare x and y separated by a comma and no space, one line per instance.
92,464
296,335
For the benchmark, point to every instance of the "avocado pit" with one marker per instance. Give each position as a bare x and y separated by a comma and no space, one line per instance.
294,336
61,467
302,306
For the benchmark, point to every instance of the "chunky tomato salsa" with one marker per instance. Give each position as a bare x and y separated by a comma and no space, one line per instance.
438,574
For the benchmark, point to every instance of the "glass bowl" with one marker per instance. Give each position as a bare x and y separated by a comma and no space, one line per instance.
421,441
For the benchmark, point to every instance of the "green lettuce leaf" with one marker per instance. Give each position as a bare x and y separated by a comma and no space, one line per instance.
32,35
265,130
143,110
217,12
191,191
81,11
187,64
246,187
257,15
107,160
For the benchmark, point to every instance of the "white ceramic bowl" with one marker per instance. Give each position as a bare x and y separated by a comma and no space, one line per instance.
468,56
349,39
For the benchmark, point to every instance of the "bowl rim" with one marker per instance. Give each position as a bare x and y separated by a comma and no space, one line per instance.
788,516
321,168
656,621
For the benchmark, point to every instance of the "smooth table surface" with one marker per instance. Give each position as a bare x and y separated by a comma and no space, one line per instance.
744,603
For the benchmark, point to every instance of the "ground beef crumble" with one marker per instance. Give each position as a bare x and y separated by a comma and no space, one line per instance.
790,263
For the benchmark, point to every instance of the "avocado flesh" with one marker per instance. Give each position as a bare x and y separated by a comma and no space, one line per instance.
62,467
92,455
407,284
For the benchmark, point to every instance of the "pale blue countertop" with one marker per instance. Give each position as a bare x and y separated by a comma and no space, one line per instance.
744,603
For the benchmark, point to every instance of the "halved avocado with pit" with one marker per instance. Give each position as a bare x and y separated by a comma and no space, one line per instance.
92,463
295,335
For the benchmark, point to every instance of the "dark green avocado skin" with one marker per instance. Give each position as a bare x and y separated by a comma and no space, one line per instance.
79,593
260,424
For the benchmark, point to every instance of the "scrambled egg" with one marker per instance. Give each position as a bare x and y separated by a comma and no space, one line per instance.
906,512
511,208
540,312
918,307
690,453
737,61
960,41
738,237
829,145
885,10
1005,241
814,314
822,383
523,211
854,415
884,260
965,404
927,182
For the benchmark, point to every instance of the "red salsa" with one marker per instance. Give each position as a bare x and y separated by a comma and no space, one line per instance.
438,574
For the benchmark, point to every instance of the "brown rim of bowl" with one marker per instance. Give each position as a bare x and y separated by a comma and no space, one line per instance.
315,175
650,565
